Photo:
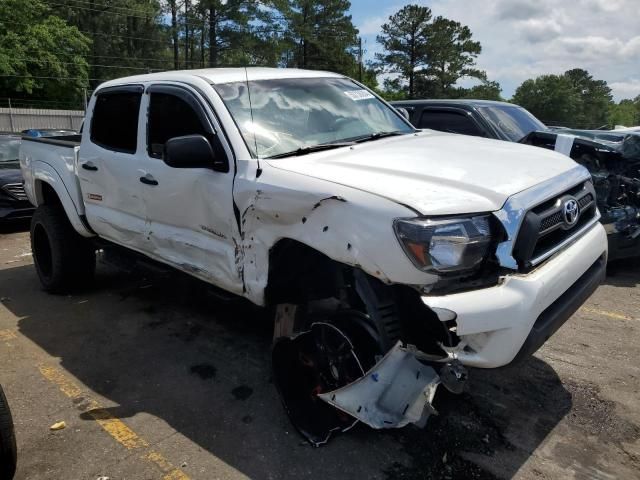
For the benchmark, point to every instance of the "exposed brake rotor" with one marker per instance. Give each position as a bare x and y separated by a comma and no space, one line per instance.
317,361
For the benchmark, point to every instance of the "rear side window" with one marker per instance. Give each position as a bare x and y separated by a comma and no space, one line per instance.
169,117
447,121
114,124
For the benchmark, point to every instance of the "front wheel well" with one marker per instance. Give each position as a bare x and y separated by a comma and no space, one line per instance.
299,273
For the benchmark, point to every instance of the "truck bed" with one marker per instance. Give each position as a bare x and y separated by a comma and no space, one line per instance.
55,160
61,141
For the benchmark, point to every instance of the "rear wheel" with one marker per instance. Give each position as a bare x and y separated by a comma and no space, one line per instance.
63,259
8,451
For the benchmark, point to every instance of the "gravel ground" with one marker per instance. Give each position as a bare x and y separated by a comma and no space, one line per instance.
157,379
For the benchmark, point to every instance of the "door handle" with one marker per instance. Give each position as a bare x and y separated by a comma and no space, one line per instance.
148,180
89,166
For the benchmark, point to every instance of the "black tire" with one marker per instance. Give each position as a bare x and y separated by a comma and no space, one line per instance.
8,450
300,363
63,258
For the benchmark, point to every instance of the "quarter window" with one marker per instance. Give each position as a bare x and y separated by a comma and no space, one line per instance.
114,124
446,121
169,117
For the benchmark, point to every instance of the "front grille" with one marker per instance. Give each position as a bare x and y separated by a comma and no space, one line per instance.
16,190
547,226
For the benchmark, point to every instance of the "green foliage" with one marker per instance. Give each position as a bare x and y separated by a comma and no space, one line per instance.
319,35
393,89
487,90
626,113
40,55
551,98
431,55
122,32
595,98
451,55
404,39
575,99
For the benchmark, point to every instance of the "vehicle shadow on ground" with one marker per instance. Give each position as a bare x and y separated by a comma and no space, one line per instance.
623,273
165,346
14,226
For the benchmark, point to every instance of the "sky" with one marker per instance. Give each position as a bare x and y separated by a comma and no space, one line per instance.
522,39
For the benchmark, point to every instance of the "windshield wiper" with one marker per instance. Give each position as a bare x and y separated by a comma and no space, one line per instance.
312,148
377,135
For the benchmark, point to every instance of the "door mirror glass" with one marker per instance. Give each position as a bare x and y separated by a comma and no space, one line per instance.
189,151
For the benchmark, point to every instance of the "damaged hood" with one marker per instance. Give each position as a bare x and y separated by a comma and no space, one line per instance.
434,173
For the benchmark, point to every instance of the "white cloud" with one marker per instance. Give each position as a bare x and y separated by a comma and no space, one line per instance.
371,26
526,38
628,89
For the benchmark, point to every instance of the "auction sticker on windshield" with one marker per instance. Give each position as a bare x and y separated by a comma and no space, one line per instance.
357,95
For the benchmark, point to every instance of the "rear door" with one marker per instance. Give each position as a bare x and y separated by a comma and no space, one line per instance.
109,166
190,210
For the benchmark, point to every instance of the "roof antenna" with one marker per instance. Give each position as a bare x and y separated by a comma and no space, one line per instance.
253,126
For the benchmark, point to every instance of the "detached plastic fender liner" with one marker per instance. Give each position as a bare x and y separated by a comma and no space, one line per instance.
398,390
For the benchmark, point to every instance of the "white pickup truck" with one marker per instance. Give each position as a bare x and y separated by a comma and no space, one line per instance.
392,257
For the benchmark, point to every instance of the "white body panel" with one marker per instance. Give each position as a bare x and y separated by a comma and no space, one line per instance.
435,173
221,226
189,214
496,321
113,194
56,166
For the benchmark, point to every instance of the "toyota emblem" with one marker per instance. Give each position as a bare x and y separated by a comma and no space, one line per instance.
571,211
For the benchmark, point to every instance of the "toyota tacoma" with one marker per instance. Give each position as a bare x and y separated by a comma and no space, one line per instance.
392,258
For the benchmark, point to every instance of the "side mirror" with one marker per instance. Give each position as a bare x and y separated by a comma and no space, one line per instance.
404,112
191,151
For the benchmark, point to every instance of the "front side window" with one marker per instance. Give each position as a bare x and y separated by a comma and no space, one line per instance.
281,116
447,121
169,117
114,124
515,122
9,148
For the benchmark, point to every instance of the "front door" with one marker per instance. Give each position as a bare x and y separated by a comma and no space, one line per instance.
190,210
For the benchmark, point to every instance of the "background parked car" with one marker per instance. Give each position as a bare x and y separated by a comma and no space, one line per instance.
612,157
14,204
8,449
48,132
13,200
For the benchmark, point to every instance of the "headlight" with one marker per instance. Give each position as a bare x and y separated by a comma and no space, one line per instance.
446,245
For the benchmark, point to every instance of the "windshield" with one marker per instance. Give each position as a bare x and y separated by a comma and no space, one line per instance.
285,115
9,147
515,122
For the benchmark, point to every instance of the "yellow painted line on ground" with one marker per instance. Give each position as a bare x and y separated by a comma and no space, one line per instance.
7,335
605,313
171,473
115,427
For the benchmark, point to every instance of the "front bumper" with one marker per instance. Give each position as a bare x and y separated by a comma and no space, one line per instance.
512,320
16,212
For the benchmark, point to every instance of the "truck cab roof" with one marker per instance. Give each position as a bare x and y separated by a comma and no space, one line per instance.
222,75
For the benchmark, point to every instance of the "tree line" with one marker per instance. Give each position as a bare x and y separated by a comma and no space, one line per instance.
52,51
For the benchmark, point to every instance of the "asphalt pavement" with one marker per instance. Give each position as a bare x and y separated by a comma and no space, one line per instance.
155,377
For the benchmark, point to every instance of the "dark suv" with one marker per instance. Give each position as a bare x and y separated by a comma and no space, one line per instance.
13,200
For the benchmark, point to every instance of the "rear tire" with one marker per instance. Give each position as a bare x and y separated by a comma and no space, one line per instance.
63,258
8,450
